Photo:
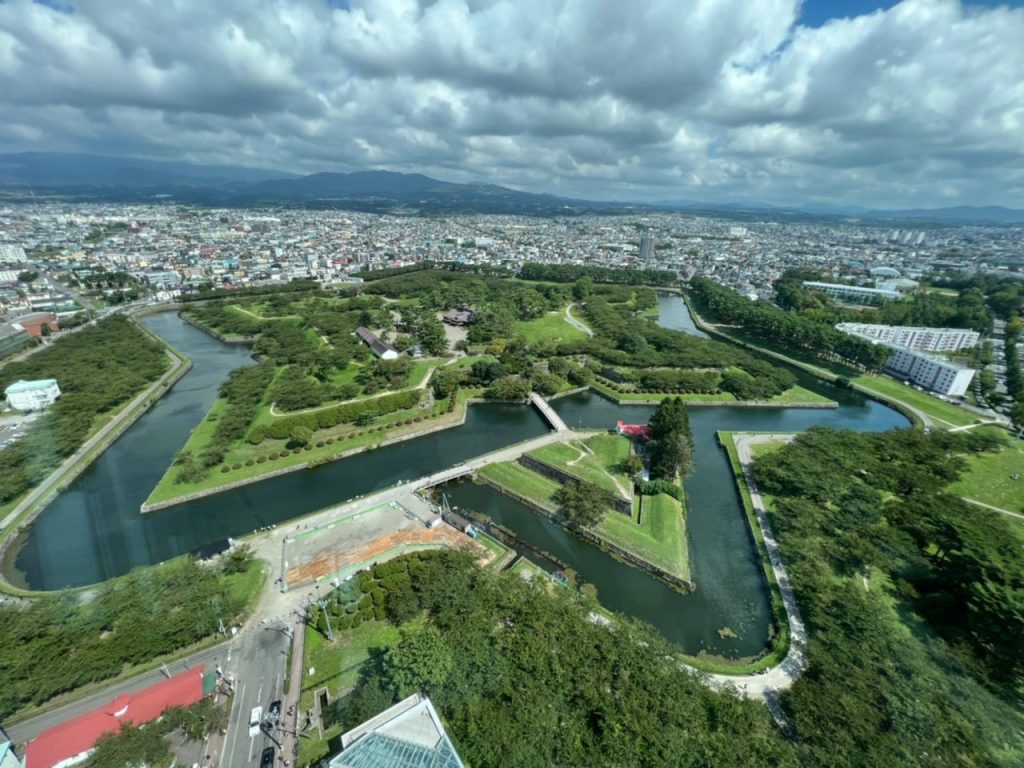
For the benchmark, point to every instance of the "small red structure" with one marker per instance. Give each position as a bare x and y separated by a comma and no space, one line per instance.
33,324
633,431
71,741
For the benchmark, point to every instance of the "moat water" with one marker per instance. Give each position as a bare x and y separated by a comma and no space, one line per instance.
93,530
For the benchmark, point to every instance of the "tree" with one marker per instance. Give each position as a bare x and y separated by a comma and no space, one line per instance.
582,288
632,465
583,502
420,661
238,559
300,435
131,747
27,276
44,329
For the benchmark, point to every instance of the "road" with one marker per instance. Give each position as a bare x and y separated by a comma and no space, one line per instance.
780,677
126,414
29,729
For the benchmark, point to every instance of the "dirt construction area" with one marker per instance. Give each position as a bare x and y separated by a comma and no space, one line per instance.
343,546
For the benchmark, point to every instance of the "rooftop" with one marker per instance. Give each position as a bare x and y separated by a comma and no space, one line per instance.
407,735
29,386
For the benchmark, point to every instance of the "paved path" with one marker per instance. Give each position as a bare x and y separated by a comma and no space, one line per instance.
765,685
1000,510
126,414
576,323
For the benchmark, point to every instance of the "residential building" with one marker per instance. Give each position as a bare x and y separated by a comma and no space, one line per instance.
380,348
73,740
459,317
937,374
32,395
853,293
408,735
926,339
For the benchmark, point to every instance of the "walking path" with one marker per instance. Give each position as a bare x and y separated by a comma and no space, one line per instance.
1000,510
290,715
422,384
123,418
766,684
576,323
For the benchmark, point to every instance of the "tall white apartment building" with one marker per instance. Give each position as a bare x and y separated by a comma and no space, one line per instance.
934,373
927,339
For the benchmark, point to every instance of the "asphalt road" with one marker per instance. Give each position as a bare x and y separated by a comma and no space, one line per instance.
257,663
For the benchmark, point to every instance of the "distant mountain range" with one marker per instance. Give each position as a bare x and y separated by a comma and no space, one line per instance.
31,176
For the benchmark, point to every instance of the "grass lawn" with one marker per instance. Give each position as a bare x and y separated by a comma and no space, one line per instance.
549,329
795,395
529,570
946,413
336,666
520,480
498,550
989,478
659,537
598,465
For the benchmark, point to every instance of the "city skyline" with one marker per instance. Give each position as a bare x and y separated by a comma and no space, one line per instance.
914,105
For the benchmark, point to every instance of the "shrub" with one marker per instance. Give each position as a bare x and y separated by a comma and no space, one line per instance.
356,621
319,443
261,459
273,456
308,448
285,452
330,441
249,462
379,612
225,468
236,466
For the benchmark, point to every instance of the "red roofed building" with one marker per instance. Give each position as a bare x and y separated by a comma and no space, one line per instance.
634,431
72,740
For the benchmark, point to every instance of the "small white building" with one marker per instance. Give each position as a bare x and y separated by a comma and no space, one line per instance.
32,395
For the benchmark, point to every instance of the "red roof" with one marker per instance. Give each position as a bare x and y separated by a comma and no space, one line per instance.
73,737
633,430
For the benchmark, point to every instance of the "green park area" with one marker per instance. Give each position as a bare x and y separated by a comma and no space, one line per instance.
655,531
945,414
995,478
550,329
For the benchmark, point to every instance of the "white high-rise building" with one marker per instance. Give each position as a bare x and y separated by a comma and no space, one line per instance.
934,373
927,339
32,395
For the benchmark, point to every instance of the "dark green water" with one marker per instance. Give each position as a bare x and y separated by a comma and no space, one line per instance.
94,531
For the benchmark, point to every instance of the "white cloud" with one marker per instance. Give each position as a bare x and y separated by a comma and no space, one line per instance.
712,99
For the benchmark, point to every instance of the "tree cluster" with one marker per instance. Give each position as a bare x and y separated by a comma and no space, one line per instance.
570,273
789,330
524,678
671,441
348,413
913,600
98,369
60,642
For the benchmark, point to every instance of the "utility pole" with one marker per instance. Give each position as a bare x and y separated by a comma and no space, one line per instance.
327,619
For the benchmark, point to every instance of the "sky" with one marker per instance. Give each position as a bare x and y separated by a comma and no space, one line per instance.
842,102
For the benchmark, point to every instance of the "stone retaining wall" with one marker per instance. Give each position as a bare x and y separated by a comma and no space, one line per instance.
560,476
616,551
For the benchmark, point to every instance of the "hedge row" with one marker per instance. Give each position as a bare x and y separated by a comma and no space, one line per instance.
339,414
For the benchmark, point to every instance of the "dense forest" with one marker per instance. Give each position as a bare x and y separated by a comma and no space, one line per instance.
60,642
98,369
812,334
570,273
924,308
524,677
914,601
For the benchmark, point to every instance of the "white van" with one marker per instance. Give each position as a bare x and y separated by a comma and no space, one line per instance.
255,719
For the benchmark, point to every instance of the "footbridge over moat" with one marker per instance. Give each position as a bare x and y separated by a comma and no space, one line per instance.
549,413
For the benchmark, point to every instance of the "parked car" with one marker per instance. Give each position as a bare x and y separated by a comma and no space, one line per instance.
274,713
267,758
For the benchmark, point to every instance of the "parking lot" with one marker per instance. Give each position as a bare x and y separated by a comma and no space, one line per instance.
13,426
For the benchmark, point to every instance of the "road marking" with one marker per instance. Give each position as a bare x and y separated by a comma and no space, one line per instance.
234,731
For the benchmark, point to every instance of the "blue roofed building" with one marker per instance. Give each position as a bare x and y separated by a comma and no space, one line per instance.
408,735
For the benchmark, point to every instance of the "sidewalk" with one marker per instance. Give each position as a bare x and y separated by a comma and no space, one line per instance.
289,722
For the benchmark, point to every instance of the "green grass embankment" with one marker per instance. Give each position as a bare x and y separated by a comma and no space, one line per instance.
792,397
551,328
995,478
